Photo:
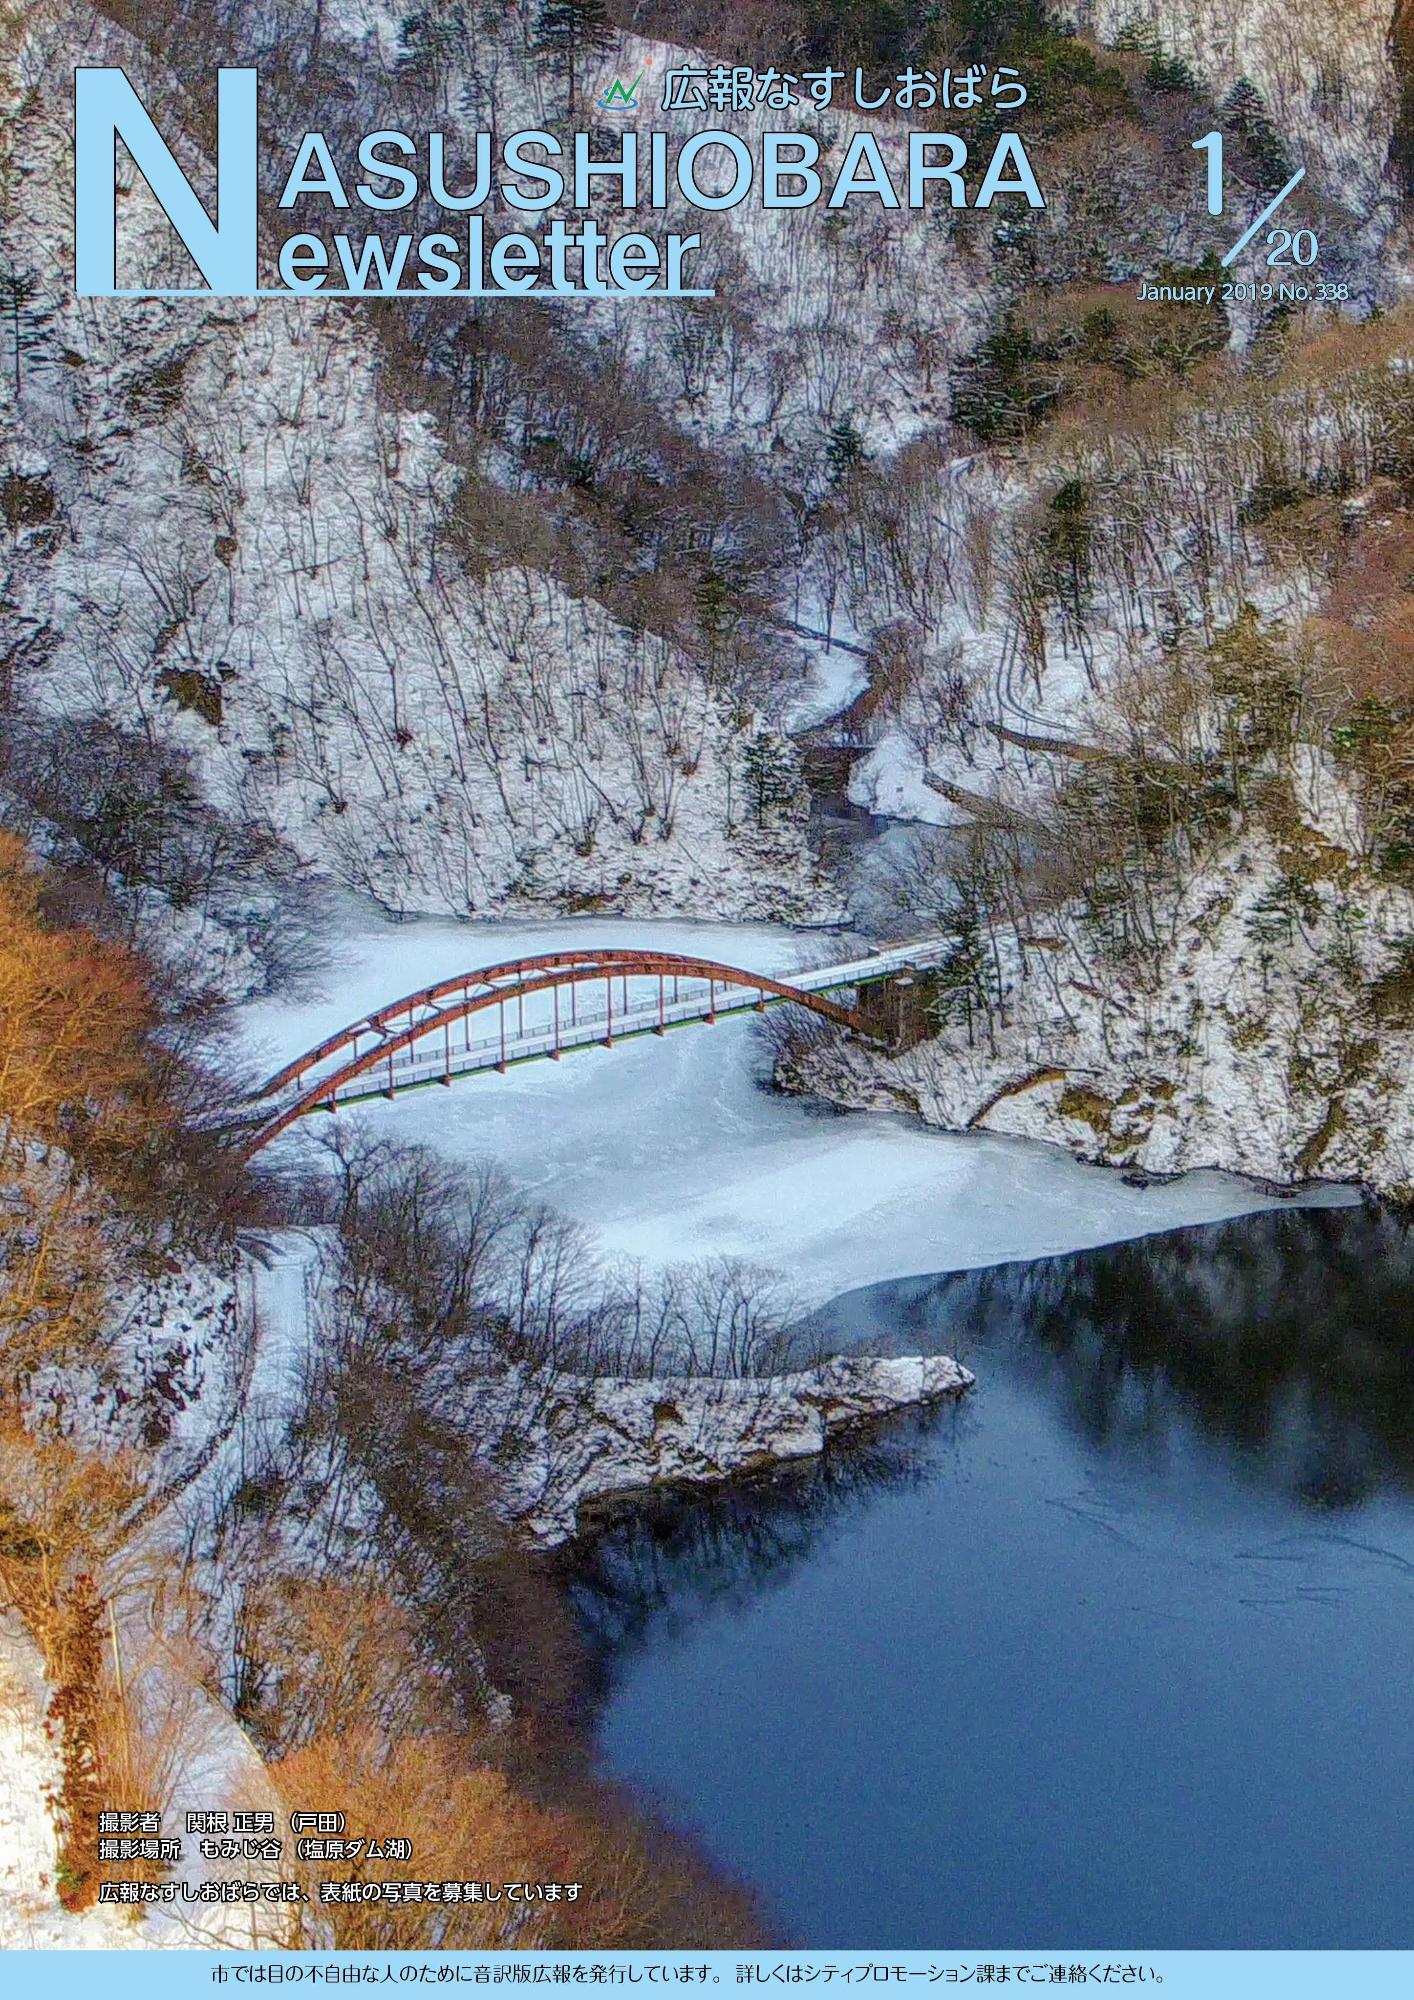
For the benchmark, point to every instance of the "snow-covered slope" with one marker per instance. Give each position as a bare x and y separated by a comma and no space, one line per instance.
1255,1052
210,1758
228,533
31,1916
232,540
1323,67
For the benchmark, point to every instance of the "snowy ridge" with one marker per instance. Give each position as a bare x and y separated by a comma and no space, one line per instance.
556,1445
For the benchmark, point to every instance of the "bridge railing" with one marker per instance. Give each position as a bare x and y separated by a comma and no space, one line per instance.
409,1066
427,1036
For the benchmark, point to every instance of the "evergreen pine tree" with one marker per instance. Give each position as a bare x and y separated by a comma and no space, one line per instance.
1069,541
1005,384
18,292
568,32
772,775
1137,38
844,450
1244,104
963,986
1247,116
434,39
713,596
1169,74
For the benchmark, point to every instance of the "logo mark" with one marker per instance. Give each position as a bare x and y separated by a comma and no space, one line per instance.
621,96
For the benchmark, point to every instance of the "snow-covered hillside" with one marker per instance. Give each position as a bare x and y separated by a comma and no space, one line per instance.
224,535
236,530
1323,67
508,611
1252,1044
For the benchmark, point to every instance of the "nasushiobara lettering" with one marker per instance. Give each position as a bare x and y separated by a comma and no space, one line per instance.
533,170
529,172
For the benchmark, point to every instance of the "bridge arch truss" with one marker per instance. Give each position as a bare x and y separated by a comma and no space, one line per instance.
426,1036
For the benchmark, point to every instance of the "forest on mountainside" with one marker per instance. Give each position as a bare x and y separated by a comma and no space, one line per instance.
491,607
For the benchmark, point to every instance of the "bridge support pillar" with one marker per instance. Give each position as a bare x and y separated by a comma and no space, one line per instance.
898,1009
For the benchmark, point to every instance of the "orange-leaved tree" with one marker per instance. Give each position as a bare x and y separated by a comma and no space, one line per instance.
78,1096
507,1869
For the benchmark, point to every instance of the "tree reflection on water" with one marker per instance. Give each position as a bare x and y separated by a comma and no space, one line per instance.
1280,1342
663,1560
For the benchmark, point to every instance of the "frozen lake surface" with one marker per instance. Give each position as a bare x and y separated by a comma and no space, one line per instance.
1112,1650
671,1150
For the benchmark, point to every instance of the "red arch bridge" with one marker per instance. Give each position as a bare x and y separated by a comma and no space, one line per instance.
539,1007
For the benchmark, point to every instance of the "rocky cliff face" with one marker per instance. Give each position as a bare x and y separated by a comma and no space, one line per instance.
609,1442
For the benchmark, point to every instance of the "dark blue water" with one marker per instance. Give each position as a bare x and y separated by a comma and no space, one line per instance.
1120,1650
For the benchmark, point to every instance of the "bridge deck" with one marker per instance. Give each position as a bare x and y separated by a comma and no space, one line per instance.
549,1023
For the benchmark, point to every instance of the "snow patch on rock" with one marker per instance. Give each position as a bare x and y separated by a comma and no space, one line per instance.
608,1441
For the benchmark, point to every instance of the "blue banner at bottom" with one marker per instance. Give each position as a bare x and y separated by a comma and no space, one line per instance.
149,1974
